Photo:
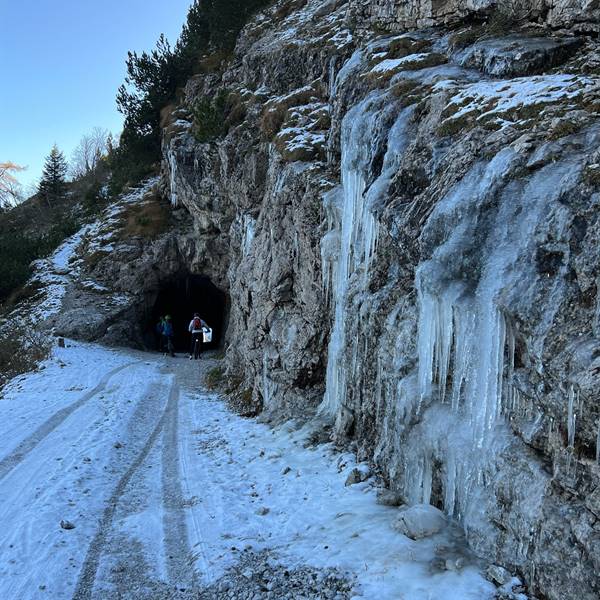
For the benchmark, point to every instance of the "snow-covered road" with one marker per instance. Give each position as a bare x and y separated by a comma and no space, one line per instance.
166,490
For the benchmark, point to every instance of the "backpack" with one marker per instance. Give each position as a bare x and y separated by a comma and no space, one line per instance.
197,323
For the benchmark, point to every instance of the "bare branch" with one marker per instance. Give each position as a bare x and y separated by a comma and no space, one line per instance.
89,152
10,189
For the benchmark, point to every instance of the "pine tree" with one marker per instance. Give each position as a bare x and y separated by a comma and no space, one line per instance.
154,77
110,144
53,185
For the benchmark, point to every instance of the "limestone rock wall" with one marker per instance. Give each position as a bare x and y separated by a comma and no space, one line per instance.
407,227
401,14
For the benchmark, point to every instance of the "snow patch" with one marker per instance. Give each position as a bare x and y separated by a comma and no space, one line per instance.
486,99
393,64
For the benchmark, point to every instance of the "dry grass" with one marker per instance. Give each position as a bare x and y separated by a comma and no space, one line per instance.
21,350
563,128
285,9
508,15
92,260
214,62
466,37
272,119
452,126
166,115
403,88
148,220
402,47
526,116
239,398
432,59
237,112
244,404
214,378
275,112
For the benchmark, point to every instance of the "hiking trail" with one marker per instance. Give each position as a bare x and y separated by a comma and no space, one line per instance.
163,491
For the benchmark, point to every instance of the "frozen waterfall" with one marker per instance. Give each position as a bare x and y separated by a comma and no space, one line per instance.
442,417
348,247
479,240
466,345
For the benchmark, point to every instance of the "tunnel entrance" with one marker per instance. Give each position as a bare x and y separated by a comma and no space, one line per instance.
181,298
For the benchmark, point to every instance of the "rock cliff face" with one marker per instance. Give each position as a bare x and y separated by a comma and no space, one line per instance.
406,224
412,226
400,14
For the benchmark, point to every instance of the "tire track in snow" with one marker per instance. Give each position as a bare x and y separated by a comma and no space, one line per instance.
87,576
200,555
8,463
177,550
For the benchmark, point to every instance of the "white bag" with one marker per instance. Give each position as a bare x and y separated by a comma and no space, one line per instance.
207,334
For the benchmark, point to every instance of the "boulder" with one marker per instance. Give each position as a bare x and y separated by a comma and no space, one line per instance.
420,521
358,475
498,575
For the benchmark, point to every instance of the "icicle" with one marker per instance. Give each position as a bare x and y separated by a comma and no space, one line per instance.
172,160
571,417
511,345
450,484
464,325
516,401
445,337
332,82
269,386
419,480
598,443
569,461
427,482
485,393
355,227
330,243
463,333
497,389
249,225
435,343
426,341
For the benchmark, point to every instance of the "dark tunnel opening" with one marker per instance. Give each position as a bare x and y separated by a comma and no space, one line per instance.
181,298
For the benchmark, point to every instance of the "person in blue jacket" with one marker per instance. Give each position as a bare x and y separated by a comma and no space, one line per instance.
159,334
167,336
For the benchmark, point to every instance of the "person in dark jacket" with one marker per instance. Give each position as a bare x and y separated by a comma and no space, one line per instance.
159,333
196,328
167,335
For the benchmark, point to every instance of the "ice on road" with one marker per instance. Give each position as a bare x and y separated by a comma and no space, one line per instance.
122,477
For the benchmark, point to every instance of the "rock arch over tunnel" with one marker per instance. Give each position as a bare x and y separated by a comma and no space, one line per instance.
181,297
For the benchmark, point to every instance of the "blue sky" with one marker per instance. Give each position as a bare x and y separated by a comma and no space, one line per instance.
62,62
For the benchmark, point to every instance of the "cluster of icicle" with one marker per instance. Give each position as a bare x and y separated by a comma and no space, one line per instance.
349,245
464,335
463,391
172,160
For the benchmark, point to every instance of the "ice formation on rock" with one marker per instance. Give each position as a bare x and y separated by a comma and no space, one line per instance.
352,239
